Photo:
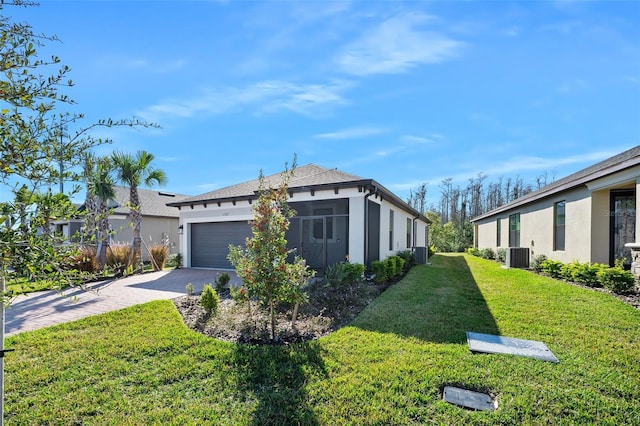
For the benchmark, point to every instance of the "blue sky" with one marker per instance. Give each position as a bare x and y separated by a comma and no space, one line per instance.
401,92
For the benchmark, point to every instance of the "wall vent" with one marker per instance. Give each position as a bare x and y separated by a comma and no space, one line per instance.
517,257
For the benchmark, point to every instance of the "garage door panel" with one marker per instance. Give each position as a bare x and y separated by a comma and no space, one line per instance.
210,242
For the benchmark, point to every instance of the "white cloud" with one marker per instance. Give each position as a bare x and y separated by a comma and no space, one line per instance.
142,64
420,140
396,46
353,133
267,96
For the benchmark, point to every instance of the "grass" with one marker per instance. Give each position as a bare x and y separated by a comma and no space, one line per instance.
142,366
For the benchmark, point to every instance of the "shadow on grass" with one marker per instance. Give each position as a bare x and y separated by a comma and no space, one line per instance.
437,303
276,377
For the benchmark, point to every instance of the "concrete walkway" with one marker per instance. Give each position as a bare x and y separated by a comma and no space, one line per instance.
46,308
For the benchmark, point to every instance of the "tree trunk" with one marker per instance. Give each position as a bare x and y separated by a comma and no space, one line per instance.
103,234
273,321
136,219
294,316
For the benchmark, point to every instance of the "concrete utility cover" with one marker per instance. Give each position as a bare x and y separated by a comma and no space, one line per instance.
469,399
491,344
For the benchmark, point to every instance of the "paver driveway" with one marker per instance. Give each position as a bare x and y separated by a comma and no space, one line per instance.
46,308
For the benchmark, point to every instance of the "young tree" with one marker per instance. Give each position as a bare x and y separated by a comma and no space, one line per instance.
31,151
134,171
262,264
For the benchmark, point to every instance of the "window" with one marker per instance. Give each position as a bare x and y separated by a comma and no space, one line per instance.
408,233
514,230
558,225
498,236
319,224
390,230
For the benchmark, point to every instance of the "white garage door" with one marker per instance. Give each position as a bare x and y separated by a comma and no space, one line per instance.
210,242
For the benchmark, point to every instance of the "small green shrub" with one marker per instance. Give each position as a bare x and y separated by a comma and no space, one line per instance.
501,255
536,262
222,280
394,265
616,279
175,261
379,269
432,250
408,257
553,268
190,289
582,273
487,253
473,251
209,299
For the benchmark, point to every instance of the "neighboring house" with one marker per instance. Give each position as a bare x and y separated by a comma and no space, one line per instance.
588,216
159,221
339,216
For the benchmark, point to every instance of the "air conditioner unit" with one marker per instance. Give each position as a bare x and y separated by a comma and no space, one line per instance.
420,254
517,257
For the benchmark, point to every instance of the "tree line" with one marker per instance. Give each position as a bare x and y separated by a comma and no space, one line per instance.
451,229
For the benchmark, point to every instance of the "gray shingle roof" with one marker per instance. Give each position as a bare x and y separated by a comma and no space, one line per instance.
609,166
304,176
154,202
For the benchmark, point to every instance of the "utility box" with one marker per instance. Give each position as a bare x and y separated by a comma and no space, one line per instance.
517,257
421,255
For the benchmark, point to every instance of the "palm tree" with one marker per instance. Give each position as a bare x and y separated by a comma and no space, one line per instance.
100,190
134,171
103,188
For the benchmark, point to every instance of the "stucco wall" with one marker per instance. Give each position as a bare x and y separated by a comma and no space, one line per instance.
152,231
242,211
537,227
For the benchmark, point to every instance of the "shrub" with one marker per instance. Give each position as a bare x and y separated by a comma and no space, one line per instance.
432,250
86,259
473,251
394,266
190,289
344,273
408,257
553,268
536,262
209,299
222,280
159,254
175,260
118,256
487,253
616,279
379,269
501,255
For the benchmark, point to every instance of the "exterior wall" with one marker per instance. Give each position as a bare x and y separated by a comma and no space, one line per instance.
399,242
537,227
153,231
242,212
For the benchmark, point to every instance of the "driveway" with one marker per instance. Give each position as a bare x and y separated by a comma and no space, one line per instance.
46,308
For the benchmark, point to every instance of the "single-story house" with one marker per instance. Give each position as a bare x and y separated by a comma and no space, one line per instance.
159,221
339,216
588,216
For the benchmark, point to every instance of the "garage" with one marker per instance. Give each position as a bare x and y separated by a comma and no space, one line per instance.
210,242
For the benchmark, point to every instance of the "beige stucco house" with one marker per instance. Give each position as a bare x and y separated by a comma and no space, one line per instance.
588,216
159,221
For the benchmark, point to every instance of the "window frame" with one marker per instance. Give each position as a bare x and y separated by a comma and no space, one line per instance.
391,220
559,230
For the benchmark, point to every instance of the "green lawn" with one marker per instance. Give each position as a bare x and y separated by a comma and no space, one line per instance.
142,366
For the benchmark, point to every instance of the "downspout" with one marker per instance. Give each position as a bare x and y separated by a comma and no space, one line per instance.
366,227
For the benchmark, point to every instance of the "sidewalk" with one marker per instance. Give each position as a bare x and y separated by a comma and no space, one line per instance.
46,308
